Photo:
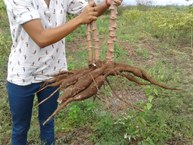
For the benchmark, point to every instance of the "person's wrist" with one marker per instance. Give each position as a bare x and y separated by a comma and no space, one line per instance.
79,20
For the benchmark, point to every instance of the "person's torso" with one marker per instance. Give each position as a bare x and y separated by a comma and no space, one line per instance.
28,63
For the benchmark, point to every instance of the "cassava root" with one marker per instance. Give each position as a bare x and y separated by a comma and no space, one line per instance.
87,82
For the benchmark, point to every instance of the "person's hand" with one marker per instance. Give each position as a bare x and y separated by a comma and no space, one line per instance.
117,2
89,14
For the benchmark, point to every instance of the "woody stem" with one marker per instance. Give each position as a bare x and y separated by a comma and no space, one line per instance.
112,33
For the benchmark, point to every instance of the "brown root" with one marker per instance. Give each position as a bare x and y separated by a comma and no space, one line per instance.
86,83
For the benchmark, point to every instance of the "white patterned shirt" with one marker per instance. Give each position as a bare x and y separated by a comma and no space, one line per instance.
28,63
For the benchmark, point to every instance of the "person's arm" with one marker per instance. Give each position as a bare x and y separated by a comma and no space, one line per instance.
44,37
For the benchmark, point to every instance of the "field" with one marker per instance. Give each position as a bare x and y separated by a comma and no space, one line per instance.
157,39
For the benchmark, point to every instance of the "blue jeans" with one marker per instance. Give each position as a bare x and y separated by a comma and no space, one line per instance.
21,103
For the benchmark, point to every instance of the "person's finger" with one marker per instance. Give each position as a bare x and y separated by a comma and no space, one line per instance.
92,4
95,9
118,2
91,19
93,13
108,2
94,18
92,9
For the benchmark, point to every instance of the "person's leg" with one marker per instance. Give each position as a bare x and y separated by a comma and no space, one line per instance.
21,103
45,110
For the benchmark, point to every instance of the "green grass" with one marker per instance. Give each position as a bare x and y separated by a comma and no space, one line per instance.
162,52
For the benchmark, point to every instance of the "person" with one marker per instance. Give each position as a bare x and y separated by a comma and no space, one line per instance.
38,29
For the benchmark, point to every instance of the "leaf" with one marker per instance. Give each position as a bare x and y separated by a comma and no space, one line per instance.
150,98
148,91
156,92
149,105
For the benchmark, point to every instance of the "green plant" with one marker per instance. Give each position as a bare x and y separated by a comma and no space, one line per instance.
167,116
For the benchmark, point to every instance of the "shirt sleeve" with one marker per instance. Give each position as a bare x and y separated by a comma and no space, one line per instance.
76,6
22,10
